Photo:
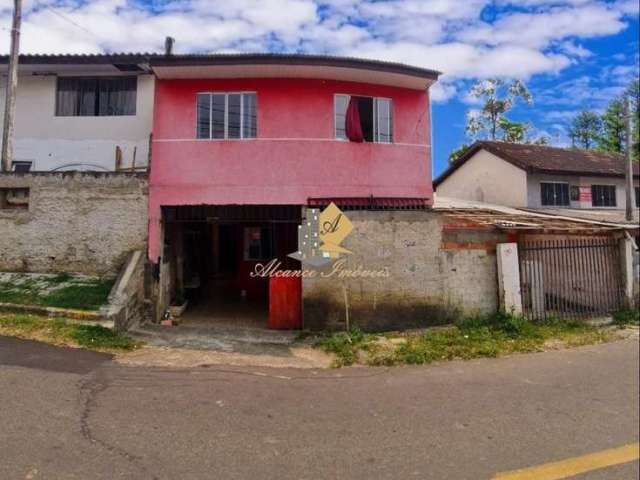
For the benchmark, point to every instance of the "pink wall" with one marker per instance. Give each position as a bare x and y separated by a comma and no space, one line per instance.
295,155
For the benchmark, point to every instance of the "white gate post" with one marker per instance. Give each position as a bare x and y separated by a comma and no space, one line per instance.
509,277
626,260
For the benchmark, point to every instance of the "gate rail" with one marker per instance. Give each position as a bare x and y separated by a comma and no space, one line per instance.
570,278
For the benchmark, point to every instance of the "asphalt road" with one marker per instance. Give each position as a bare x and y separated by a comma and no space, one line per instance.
68,414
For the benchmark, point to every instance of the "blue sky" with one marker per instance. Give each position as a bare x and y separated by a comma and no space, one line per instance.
573,54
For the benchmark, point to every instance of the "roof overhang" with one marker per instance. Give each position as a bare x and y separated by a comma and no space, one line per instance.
293,66
98,64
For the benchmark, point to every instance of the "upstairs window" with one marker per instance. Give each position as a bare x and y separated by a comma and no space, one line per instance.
553,194
603,195
222,116
96,97
375,115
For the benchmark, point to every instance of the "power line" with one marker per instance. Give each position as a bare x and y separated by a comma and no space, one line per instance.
67,19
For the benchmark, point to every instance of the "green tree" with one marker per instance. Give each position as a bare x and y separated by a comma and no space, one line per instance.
498,98
514,132
613,138
633,92
453,156
585,129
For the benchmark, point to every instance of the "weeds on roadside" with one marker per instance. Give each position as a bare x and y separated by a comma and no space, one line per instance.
63,332
471,337
624,318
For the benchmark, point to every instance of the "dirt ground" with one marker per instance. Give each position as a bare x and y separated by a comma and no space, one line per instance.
273,356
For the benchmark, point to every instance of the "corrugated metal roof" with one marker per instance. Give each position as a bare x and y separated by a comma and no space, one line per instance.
160,59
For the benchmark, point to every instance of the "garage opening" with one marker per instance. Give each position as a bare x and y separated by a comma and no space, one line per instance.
208,256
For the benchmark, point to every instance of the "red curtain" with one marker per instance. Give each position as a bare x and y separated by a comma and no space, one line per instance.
353,127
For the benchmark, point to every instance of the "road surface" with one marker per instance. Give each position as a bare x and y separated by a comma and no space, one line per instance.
71,414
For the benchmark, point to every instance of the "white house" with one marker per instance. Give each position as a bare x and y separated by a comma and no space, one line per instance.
81,112
538,176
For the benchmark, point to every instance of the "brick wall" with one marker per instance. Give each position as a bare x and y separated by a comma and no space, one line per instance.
84,222
438,268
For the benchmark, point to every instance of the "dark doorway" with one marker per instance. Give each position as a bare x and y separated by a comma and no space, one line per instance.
215,249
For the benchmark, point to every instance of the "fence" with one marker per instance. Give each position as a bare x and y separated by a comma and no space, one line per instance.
570,278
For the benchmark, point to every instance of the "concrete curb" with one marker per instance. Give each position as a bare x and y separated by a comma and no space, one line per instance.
92,317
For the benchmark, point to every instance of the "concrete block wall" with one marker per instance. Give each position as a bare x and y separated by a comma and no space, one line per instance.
84,222
436,272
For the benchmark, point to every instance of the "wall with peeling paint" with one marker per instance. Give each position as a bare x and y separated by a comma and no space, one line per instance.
437,270
85,222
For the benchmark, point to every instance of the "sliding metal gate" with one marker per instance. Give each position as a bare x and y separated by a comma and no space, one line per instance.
570,278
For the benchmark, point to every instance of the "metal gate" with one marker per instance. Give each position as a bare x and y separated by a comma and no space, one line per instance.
570,278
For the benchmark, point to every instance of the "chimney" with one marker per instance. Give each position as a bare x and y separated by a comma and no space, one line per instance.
168,45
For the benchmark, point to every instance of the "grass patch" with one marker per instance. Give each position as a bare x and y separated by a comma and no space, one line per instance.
472,337
61,290
60,331
625,318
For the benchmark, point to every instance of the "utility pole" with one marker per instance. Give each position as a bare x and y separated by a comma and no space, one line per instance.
12,85
629,165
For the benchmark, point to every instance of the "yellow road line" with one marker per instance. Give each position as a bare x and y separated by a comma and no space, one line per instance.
576,465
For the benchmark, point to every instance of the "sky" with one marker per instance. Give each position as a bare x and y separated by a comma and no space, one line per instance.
572,54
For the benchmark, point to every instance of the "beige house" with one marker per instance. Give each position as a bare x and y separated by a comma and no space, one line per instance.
538,176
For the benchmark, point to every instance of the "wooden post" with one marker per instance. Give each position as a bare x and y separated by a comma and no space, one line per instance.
12,85
629,166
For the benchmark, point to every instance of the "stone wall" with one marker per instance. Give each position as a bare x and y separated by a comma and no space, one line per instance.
84,222
438,268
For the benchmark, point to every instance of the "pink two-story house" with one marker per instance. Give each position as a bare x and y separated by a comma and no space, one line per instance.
243,144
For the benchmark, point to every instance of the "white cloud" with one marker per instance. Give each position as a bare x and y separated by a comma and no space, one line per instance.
454,36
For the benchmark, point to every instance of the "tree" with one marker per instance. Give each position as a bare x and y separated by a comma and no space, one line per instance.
634,93
585,129
613,138
499,97
456,154
513,132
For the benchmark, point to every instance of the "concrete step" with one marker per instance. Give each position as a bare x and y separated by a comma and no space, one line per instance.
210,338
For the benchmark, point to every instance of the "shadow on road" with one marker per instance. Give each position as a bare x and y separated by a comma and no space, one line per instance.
31,354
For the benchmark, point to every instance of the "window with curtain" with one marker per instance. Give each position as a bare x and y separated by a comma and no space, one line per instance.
96,96
223,116
603,195
376,118
554,194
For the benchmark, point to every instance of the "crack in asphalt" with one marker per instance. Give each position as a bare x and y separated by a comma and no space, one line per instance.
89,389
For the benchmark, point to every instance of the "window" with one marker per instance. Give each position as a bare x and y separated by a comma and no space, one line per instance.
575,193
258,243
96,97
223,116
554,194
14,198
21,166
637,197
603,195
375,118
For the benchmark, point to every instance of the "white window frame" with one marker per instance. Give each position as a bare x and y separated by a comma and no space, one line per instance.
226,115
615,194
555,182
376,134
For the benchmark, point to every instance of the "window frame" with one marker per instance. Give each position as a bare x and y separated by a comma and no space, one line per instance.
376,133
555,182
97,78
615,195
226,114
